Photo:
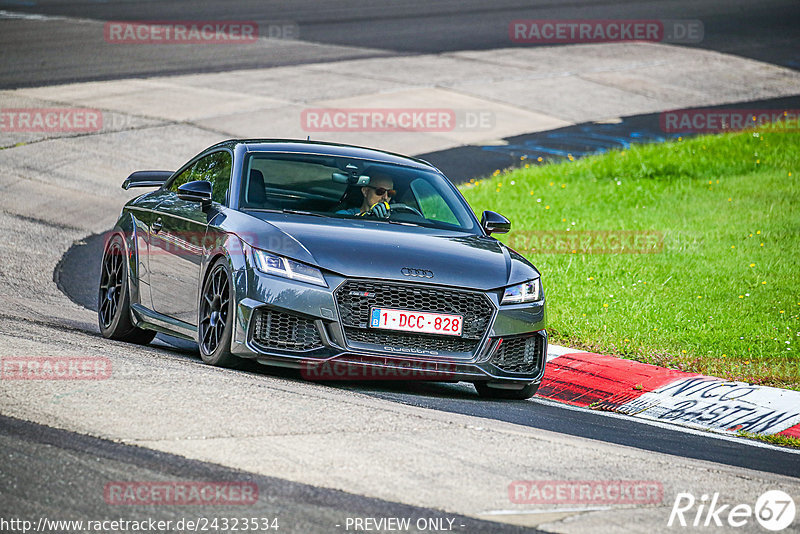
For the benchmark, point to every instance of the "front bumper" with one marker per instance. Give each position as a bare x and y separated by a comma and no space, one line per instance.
290,324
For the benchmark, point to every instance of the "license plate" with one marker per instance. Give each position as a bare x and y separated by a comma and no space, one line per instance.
414,321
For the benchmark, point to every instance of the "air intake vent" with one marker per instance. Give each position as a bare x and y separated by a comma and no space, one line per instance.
279,330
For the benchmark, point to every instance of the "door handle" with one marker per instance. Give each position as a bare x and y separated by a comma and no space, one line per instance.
156,227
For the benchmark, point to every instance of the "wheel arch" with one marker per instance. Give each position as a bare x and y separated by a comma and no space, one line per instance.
225,245
128,239
212,259
122,324
125,227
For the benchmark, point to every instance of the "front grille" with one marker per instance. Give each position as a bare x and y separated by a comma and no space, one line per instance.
435,370
409,340
356,298
279,330
520,354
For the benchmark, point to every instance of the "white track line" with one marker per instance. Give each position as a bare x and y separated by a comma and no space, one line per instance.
709,433
33,16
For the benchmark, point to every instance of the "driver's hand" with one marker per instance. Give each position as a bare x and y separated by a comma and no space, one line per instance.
381,209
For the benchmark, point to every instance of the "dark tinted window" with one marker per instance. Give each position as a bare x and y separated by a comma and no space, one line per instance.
215,168
334,187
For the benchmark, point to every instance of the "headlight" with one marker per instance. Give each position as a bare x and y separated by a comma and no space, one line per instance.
529,291
280,266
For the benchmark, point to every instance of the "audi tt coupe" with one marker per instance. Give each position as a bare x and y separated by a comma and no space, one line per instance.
324,257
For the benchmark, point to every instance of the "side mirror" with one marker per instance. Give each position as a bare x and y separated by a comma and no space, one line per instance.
494,223
197,191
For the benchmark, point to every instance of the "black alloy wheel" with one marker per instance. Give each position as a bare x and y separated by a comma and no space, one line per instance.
110,284
113,300
216,317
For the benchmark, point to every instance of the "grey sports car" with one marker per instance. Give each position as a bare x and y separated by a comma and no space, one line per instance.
324,257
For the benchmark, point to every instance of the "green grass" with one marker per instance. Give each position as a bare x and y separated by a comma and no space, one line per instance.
775,439
722,297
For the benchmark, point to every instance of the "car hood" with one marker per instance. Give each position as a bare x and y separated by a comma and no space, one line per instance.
370,249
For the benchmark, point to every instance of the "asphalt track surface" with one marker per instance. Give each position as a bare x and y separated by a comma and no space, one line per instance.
763,31
58,50
79,270
77,274
471,161
28,450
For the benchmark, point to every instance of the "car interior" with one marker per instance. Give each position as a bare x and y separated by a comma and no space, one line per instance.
327,185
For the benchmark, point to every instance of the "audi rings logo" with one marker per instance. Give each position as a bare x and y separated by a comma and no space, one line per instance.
419,273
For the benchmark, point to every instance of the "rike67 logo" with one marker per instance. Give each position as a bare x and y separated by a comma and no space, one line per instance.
774,510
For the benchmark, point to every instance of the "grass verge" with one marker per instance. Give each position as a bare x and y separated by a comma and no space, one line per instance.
774,439
719,296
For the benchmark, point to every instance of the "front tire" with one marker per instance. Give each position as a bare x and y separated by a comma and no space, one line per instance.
215,324
113,298
485,391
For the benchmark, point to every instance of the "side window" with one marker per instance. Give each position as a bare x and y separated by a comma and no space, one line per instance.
431,203
182,178
216,168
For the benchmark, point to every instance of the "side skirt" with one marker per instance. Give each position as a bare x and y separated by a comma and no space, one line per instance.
151,320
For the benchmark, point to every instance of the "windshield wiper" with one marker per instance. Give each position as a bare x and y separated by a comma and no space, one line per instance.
300,212
404,223
290,211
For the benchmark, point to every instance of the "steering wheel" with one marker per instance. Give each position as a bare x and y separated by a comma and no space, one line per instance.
406,207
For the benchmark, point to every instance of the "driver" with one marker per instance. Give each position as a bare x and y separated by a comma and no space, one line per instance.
376,198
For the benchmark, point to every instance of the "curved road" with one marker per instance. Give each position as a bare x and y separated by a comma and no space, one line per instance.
69,44
425,445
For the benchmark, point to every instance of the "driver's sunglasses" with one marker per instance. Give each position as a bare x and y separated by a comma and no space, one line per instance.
380,191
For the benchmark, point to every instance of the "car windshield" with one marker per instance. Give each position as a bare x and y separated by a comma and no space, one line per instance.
342,187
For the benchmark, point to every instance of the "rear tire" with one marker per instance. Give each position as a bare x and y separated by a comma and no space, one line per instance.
487,392
113,299
216,313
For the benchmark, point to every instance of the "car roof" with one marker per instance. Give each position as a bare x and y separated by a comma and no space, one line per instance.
325,149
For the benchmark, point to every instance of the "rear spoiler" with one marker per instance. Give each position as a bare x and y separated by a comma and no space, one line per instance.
146,179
